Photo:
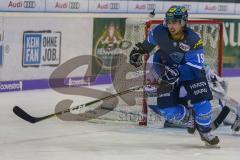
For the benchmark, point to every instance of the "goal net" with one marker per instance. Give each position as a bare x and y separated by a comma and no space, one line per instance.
132,107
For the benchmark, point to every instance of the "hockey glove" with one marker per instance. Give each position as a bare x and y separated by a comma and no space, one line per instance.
136,55
162,77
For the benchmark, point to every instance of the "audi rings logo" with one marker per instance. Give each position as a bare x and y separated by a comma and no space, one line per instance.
29,4
151,6
74,5
222,8
114,5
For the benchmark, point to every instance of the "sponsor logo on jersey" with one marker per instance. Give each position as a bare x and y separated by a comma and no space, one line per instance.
41,48
184,47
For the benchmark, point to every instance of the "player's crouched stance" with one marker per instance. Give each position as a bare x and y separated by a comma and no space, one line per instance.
180,51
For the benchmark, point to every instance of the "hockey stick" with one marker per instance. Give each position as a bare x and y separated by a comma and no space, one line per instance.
27,117
220,118
22,114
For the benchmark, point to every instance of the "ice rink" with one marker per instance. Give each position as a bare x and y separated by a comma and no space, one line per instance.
54,139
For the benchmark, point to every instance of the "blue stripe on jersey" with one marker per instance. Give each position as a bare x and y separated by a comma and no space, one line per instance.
195,58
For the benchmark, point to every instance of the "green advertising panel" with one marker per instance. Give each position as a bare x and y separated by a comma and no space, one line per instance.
231,51
231,57
108,34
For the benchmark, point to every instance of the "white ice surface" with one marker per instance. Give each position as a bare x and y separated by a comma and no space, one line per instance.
54,139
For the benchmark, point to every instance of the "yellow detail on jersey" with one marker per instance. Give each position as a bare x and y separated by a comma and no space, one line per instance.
198,44
172,10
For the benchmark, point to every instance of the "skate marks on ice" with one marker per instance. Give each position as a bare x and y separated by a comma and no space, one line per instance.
111,139
178,138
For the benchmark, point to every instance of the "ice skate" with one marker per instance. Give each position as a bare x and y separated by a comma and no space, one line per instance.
209,139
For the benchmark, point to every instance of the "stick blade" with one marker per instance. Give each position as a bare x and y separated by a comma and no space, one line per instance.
22,114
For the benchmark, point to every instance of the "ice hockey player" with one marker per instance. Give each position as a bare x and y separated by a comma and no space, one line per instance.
180,50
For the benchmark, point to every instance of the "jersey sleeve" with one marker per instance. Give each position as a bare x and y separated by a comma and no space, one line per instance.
194,60
150,37
195,56
150,42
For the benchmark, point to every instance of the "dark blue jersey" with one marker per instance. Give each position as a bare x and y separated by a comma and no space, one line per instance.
187,54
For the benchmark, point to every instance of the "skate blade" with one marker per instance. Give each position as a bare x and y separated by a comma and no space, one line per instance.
207,145
191,131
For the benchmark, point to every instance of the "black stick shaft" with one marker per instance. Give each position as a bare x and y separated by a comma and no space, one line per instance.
25,116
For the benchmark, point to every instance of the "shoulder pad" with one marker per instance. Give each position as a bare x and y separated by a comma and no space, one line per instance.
195,40
198,44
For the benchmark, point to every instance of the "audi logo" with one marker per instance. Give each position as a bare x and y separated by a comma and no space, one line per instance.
222,8
29,4
151,6
74,5
114,5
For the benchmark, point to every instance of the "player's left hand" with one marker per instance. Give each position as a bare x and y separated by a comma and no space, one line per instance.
136,55
135,58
